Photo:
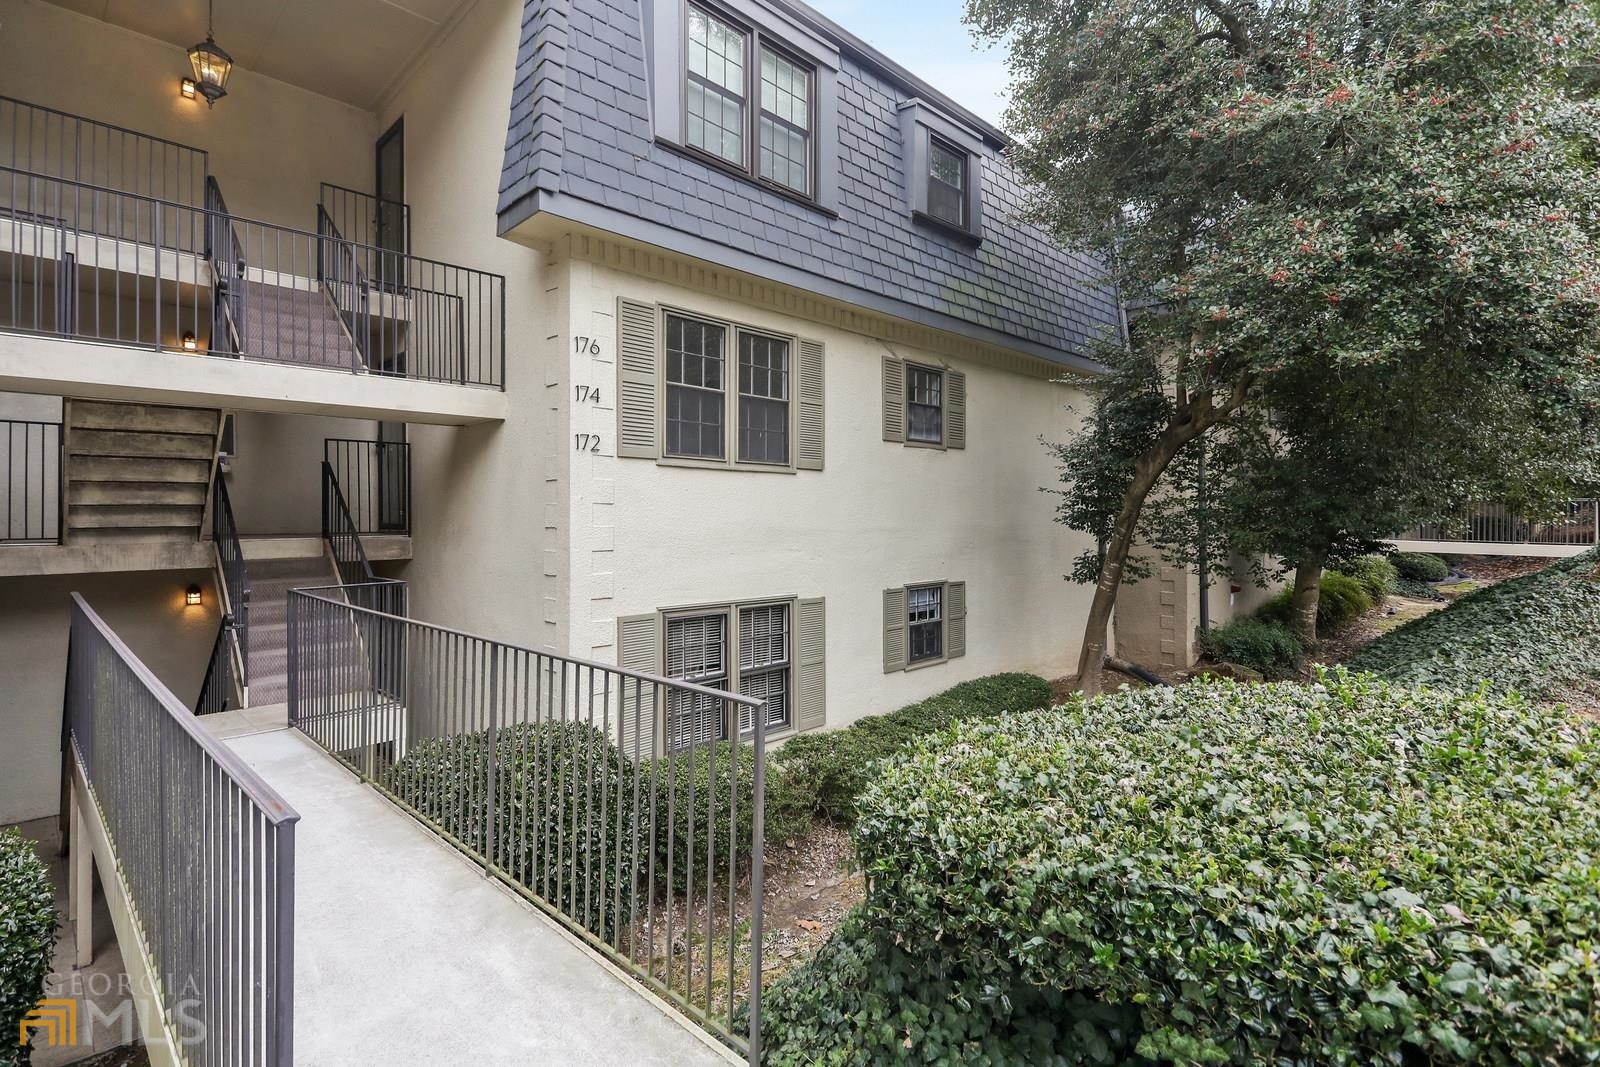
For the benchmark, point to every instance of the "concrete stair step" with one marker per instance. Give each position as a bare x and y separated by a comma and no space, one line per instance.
145,445
138,469
118,535
143,418
133,516
172,494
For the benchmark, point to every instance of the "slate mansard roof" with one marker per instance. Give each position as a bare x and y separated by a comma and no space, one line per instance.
581,146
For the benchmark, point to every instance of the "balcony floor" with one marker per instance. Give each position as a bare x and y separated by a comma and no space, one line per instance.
406,953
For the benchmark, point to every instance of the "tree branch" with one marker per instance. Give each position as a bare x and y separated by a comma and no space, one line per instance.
1235,34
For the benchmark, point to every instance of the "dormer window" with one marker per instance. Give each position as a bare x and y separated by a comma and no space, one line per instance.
943,168
947,183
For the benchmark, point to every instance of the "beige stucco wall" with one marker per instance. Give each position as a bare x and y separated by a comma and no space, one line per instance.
275,480
270,144
146,610
647,536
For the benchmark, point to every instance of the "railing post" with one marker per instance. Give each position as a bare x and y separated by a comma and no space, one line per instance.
292,658
155,246
280,1032
494,743
758,792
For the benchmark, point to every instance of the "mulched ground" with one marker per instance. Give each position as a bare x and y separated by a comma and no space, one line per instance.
127,1056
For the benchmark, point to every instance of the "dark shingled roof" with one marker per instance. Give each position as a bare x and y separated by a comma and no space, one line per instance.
580,144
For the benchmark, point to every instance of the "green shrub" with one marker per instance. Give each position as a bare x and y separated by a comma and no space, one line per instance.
692,792
1342,602
1538,634
561,790
1269,647
1410,587
1337,873
830,769
1376,575
862,1000
1420,566
27,937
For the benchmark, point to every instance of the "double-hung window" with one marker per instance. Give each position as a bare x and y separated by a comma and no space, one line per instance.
757,119
697,394
947,183
924,404
925,623
700,649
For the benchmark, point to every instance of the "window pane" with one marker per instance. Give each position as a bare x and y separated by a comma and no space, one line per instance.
695,399
764,662
924,405
716,87
763,399
925,620
697,650
947,183
785,122
947,166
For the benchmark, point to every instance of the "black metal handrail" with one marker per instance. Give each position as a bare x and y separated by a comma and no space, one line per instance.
217,688
235,573
339,271
360,215
142,273
32,461
203,847
375,480
339,531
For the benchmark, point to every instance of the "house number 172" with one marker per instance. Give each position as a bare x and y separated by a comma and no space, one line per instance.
586,442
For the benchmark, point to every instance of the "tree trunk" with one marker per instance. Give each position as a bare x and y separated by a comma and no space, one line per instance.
1307,594
1147,471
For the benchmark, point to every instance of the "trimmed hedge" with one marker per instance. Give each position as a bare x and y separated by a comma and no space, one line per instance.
1420,566
1342,602
562,789
829,770
27,938
1269,647
1338,873
1538,634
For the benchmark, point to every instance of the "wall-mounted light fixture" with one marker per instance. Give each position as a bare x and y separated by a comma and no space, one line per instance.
186,88
189,343
211,66
191,596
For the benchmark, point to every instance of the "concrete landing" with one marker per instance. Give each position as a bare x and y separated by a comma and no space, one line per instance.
406,953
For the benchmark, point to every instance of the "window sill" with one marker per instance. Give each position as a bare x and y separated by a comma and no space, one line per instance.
933,446
718,465
964,236
924,663
745,176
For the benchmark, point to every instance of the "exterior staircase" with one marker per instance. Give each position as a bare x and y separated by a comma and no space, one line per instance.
137,472
285,324
270,582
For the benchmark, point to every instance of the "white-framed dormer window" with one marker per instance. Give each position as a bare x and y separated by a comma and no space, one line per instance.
744,88
943,166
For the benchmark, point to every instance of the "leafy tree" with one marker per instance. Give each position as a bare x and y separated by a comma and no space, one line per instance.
1294,184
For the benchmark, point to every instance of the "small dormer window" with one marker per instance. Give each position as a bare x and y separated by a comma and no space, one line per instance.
947,183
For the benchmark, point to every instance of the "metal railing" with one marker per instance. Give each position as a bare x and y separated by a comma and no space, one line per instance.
235,574
205,847
542,768
42,140
31,457
1499,524
218,689
367,219
103,265
375,477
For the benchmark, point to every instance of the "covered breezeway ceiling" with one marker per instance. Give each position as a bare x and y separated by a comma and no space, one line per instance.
350,50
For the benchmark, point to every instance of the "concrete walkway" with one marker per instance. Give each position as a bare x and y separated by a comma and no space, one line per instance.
407,954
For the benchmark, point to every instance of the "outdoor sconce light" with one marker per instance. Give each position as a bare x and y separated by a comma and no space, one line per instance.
191,596
211,67
189,343
186,88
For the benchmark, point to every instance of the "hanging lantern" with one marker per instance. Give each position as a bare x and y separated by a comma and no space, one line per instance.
211,66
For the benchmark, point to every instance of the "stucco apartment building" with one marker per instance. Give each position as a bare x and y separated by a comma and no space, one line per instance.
701,338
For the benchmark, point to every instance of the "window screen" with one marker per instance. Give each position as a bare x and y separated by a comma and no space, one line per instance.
924,405
947,183
925,621
763,399
695,387
716,87
785,122
697,651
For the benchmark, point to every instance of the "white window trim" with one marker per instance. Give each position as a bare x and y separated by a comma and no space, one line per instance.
666,48
919,122
730,395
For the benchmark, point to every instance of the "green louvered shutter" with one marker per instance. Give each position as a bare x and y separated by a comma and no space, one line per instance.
639,649
810,646
638,375
894,630
894,399
809,447
955,619
955,409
